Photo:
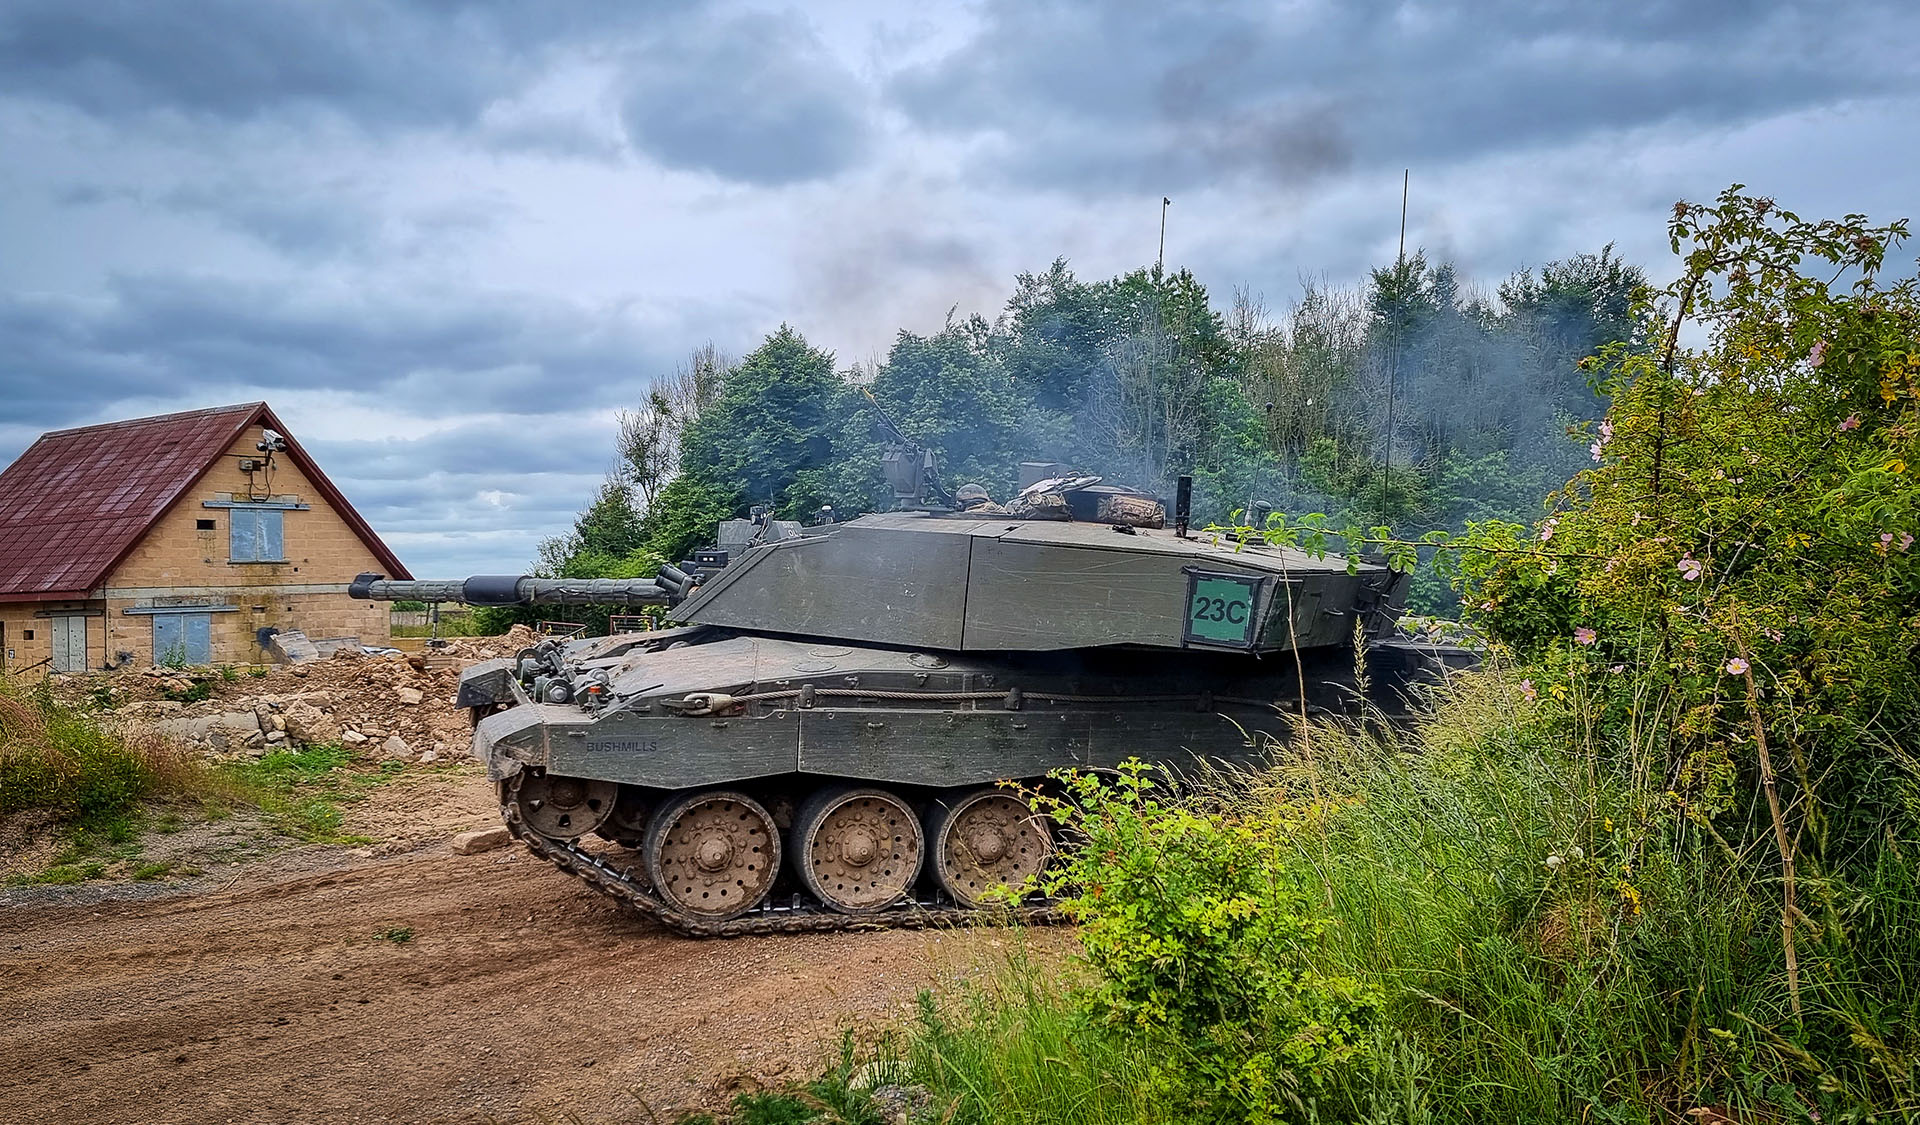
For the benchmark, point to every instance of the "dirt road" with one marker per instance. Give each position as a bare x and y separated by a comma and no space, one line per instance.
516,995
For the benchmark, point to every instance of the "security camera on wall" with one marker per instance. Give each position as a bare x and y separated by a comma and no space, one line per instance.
270,442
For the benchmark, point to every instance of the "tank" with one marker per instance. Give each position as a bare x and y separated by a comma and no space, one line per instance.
836,727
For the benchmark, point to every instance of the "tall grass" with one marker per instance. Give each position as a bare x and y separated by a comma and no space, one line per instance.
57,757
1013,1049
1555,939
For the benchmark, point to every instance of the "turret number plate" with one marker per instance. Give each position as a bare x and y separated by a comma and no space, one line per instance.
1222,609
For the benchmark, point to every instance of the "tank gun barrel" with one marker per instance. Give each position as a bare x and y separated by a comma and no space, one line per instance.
512,589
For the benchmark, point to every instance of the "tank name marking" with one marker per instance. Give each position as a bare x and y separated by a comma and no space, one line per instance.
624,745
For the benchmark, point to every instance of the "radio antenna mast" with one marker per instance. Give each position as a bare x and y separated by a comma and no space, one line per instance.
1393,366
1160,261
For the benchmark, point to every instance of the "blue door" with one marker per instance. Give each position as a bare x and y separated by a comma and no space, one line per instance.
182,638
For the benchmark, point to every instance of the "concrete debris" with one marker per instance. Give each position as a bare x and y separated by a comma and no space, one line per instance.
481,840
292,646
392,706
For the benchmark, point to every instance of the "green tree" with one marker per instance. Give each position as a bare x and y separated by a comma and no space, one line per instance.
768,435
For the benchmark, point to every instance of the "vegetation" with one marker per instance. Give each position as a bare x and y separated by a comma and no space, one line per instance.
59,758
104,787
1659,861
301,791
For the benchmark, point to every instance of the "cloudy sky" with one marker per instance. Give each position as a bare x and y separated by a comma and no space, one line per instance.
448,242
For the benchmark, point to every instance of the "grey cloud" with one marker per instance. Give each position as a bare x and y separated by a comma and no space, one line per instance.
1098,97
754,98
447,352
378,62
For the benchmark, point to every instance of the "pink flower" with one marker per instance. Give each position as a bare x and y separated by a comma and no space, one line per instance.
1526,689
1906,540
1737,666
1818,355
1775,635
1617,669
1852,423
1691,568
1606,435
1886,539
1546,529
1584,636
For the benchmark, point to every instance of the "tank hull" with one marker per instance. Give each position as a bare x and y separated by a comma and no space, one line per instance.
907,718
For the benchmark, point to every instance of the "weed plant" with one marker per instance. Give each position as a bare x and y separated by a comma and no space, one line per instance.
302,790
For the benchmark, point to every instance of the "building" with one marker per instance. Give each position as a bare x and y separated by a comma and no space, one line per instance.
188,538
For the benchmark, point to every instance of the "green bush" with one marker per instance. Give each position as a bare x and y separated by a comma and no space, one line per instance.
1199,935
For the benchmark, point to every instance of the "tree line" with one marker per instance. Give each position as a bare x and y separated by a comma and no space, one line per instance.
1410,400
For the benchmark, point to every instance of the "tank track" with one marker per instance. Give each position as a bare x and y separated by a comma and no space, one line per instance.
799,918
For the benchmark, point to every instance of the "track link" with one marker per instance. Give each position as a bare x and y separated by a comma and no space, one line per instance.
621,885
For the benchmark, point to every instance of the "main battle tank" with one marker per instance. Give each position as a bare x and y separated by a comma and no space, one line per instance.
825,737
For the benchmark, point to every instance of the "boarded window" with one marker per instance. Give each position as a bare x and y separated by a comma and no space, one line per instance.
182,638
254,535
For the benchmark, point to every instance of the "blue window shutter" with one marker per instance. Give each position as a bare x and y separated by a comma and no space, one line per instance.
272,538
198,637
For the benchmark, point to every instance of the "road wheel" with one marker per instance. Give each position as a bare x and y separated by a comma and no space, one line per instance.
857,850
712,854
985,838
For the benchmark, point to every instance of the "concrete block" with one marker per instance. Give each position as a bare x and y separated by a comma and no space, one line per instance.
480,840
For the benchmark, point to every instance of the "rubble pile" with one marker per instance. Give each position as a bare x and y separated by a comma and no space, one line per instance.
391,706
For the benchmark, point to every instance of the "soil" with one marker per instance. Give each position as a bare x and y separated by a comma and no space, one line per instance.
344,985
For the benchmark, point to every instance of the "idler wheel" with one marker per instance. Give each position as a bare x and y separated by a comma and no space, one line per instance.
712,854
984,839
563,808
627,826
859,850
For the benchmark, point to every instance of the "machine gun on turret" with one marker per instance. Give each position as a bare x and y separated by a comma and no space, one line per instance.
909,466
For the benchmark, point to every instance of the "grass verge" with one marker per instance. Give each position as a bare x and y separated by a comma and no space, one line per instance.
1542,936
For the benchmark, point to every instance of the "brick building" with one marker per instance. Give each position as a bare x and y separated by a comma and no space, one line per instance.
189,537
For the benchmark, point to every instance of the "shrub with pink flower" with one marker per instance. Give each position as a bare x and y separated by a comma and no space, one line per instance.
1691,568
1737,667
1852,423
1584,636
1527,689
1818,355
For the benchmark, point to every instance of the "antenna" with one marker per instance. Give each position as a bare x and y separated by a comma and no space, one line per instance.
1160,261
1393,367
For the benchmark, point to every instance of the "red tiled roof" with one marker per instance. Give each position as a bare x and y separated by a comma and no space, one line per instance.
77,501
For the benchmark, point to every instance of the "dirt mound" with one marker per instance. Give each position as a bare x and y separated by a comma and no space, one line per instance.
393,705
